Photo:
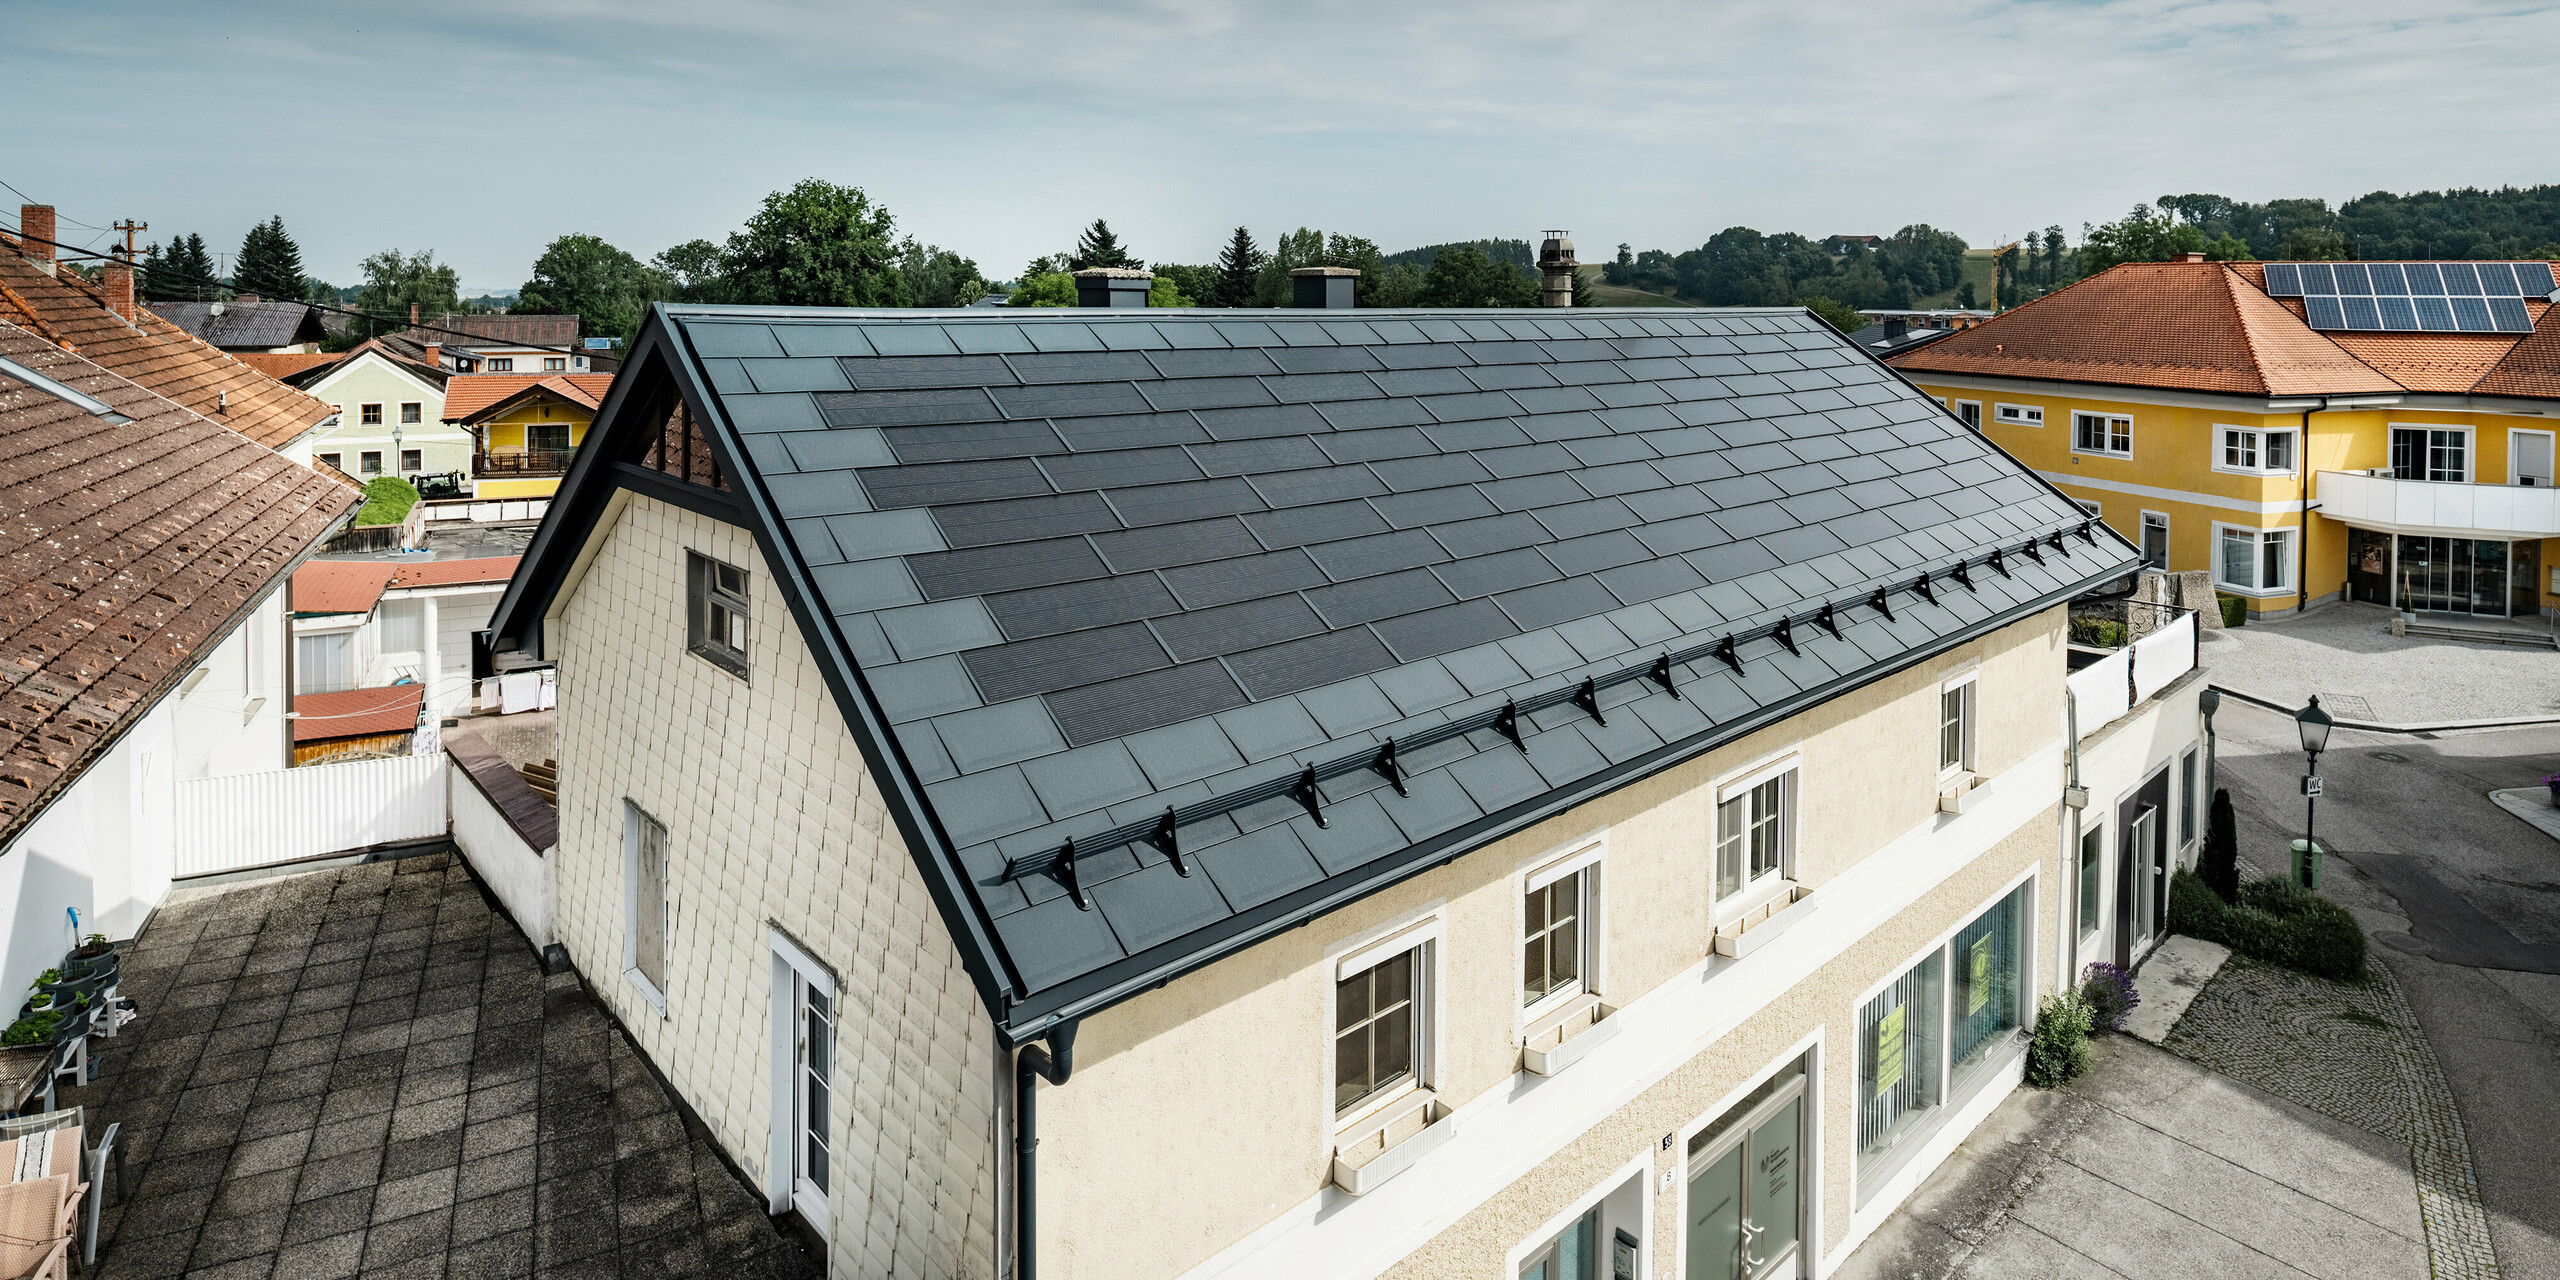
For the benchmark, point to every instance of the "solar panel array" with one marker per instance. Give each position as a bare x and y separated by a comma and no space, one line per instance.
2414,297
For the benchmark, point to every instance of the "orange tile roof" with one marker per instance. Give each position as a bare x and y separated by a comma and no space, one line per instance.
340,586
284,364
159,356
469,393
354,713
129,551
2531,367
2446,362
448,573
2198,326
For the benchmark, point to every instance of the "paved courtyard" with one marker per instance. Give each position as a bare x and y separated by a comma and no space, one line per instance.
2347,654
364,1072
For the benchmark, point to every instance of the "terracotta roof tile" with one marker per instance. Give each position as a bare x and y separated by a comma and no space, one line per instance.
466,395
154,353
2187,326
2531,367
282,365
2449,362
130,549
351,713
340,586
448,573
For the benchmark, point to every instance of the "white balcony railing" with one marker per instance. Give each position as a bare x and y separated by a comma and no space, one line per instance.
2106,689
2444,509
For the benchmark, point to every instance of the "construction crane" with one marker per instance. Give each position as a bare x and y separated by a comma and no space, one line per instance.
2010,247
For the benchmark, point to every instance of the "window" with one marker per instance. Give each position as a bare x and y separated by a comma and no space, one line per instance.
2254,451
2018,415
410,411
404,626
2089,509
1751,833
1377,1030
333,461
1898,1055
2155,539
1572,1255
370,462
1955,725
2187,799
716,608
1969,412
1554,932
2102,433
502,364
324,663
1985,992
547,437
1935,1032
2253,560
369,414
413,460
2092,850
644,904
555,364
2429,453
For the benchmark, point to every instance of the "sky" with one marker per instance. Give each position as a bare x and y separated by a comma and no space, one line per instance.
482,129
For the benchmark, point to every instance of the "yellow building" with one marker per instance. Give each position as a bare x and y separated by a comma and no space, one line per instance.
2381,432
524,427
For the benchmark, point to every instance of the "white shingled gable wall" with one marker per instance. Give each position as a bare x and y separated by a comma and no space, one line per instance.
773,820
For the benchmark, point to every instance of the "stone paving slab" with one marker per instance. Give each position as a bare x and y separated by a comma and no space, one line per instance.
364,1072
2170,981
2347,649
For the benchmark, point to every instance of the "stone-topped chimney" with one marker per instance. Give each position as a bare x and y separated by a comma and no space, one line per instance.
1326,288
115,277
35,234
2191,256
1556,266
1112,287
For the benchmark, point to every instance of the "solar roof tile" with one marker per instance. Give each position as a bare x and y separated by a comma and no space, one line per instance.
1433,632
1118,708
1304,664
1019,520
1368,599
1066,661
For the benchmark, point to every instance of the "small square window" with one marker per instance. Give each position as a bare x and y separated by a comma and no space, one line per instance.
502,364
369,415
717,612
413,460
411,411
370,462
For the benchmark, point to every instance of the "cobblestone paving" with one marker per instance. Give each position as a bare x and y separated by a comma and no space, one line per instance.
2349,649
364,1072
2318,1043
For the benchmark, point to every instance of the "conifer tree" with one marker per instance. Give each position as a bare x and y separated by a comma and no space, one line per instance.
1237,269
1098,247
183,272
270,262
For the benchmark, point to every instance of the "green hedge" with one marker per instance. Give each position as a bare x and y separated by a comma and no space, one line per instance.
2275,920
2097,633
2235,611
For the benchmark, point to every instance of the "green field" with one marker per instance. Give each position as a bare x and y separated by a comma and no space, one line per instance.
1977,268
1611,295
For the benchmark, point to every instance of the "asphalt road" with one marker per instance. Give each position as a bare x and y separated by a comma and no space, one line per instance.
2463,902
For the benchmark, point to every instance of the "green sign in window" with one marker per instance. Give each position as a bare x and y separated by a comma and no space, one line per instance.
1889,1051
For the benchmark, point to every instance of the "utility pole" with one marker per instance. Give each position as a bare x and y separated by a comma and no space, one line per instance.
129,227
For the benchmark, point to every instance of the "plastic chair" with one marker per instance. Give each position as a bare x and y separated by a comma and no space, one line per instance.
88,1164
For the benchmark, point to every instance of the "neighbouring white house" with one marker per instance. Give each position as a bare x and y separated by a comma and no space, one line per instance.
389,418
148,642
364,624
1153,793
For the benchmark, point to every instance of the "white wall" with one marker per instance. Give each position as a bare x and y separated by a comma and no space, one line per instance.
452,614
518,873
232,720
103,847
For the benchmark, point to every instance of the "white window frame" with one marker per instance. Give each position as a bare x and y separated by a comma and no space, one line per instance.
1960,406
1787,764
2291,562
2108,423
2259,439
1426,933
1969,727
633,820
791,961
2095,925
1587,856
2515,473
2018,415
1634,1171
2470,446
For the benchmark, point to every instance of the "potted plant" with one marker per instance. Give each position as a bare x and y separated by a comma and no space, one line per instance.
35,1028
93,946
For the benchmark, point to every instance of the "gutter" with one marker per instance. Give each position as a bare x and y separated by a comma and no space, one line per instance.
1031,1066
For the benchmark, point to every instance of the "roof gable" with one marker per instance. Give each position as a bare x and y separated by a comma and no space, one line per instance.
471,396
1087,569
370,356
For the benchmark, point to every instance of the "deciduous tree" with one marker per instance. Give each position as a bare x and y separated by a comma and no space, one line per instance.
581,275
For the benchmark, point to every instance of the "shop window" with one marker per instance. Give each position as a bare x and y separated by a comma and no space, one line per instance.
1934,1034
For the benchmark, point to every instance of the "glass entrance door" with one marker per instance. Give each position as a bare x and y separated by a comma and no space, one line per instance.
2146,834
1572,1255
2453,575
1746,1192
2369,566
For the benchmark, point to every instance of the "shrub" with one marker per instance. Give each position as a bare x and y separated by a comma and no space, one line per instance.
2110,996
2235,610
387,500
2059,1051
2275,920
2219,864
2097,633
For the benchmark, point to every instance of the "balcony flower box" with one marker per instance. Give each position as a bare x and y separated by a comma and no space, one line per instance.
1759,926
1559,1042
1412,1129
1961,795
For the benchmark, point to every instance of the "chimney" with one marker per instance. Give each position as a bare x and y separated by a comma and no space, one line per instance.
2191,256
116,276
35,231
1322,288
435,354
248,297
1112,287
413,315
1896,328
1555,270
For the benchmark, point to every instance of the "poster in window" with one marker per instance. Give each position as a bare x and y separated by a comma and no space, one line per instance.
1978,988
1889,1051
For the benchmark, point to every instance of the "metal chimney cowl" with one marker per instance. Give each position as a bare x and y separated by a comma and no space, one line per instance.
1112,287
1323,288
1556,266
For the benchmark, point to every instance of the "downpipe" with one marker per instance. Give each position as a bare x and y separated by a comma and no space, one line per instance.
1031,1066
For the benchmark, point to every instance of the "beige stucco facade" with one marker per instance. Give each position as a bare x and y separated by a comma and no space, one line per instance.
773,821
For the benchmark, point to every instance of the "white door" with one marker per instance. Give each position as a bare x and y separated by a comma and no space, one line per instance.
2145,874
812,1060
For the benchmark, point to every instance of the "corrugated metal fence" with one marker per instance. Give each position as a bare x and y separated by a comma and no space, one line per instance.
259,819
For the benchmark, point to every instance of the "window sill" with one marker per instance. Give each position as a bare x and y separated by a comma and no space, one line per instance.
1754,897
2254,472
648,990
1759,924
2254,593
1960,792
1561,1039
1411,1131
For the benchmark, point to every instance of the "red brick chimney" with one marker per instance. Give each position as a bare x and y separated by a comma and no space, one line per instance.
35,227
435,354
413,315
116,275
2191,256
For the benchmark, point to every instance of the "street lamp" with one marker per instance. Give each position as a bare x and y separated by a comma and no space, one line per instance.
2314,724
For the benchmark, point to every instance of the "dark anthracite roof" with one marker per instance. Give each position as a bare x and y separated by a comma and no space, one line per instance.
1095,564
243,325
